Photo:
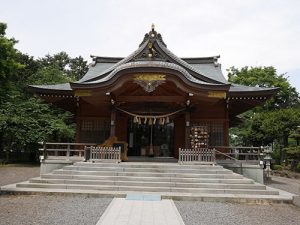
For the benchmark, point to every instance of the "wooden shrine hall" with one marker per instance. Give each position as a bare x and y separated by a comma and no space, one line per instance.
154,100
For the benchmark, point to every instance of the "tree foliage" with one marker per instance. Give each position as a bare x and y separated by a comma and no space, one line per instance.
9,64
265,127
48,75
73,68
31,121
24,119
277,119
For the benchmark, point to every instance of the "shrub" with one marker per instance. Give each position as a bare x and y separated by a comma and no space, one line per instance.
278,167
298,167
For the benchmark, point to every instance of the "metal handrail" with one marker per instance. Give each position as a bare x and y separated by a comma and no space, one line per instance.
222,153
240,147
242,151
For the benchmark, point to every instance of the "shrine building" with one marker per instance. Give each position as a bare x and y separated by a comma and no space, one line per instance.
154,100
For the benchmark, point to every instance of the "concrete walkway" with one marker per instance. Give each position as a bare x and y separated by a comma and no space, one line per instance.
143,211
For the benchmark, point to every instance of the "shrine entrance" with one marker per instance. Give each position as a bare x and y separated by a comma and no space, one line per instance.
154,140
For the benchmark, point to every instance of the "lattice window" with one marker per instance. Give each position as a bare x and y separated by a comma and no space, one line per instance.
95,130
87,125
217,134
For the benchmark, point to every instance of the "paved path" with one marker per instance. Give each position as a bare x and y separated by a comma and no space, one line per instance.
286,184
140,212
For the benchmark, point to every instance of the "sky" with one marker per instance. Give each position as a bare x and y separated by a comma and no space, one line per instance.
242,32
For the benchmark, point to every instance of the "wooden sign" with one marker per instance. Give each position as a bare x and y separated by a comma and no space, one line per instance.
149,77
217,94
82,93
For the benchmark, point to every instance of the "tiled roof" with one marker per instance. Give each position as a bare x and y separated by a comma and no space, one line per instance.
95,70
243,88
62,87
156,64
125,60
210,70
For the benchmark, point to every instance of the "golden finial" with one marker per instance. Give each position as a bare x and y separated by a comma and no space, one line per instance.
152,26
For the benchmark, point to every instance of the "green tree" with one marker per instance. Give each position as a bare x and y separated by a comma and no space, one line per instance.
296,135
8,64
48,75
24,123
277,124
25,120
73,68
277,118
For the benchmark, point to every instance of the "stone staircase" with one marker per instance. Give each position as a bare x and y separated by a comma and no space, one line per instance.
171,180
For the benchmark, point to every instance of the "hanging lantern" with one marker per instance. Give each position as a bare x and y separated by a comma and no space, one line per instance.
154,120
168,120
150,122
139,121
145,120
163,121
135,120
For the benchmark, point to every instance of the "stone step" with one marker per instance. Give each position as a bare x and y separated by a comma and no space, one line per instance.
146,189
147,165
283,197
154,170
237,180
214,174
149,184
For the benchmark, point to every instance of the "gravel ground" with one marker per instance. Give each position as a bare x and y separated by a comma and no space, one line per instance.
197,213
212,213
45,210
51,210
14,173
65,210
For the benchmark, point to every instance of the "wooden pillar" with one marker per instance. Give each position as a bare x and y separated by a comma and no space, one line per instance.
113,121
179,133
78,120
187,127
226,133
226,123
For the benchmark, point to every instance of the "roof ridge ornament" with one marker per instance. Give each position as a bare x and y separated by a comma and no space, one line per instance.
153,36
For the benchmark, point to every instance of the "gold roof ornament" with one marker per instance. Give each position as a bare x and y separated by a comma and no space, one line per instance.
83,93
149,77
217,94
152,27
149,81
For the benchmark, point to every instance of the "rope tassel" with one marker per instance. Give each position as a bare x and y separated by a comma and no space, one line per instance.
151,119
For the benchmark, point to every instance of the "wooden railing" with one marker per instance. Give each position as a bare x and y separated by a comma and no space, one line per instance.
196,155
68,151
104,153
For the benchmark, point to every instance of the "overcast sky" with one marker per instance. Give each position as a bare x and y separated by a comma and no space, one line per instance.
243,32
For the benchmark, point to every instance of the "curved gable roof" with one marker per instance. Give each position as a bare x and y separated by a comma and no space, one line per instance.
208,70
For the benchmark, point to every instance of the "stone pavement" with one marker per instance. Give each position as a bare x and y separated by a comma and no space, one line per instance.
141,210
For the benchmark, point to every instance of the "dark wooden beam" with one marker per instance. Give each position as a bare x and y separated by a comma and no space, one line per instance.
150,98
